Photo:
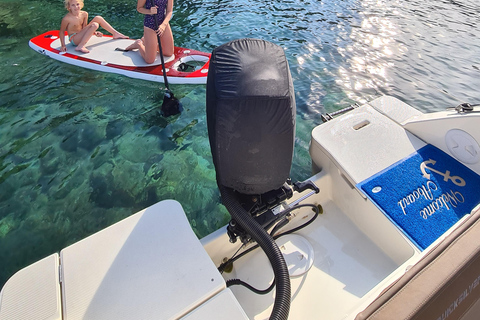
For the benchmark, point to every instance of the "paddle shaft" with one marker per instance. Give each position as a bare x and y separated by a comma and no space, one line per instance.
152,2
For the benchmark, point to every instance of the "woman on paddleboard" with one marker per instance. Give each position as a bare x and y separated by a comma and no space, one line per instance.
158,14
79,30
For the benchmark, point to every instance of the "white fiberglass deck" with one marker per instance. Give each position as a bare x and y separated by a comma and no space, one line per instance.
347,266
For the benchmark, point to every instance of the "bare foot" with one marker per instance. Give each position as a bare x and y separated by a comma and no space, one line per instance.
82,49
134,45
118,35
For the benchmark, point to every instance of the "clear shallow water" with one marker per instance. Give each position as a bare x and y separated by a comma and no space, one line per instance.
80,150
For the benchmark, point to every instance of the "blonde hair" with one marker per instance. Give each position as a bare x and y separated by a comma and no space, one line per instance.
67,4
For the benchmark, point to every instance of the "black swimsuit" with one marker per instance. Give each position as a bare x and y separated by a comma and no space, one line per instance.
149,20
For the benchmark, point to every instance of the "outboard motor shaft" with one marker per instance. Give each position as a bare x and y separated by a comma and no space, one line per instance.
251,127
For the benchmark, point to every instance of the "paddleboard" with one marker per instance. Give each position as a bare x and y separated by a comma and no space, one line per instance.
186,66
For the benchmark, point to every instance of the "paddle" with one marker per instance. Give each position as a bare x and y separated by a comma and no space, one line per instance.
170,105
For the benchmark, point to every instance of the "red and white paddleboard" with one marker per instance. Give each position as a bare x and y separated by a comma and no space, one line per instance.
186,66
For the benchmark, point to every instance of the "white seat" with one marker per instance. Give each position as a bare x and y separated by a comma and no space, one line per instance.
355,151
147,266
223,306
33,293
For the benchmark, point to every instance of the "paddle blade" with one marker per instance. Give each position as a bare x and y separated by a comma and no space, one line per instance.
171,106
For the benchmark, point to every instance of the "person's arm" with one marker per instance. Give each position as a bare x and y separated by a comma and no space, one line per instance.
85,19
168,14
141,8
63,28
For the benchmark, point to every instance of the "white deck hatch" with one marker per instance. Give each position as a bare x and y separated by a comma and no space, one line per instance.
148,266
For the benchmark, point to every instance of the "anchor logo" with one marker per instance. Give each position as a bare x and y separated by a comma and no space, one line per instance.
446,176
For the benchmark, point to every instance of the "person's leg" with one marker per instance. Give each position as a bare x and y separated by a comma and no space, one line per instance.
82,37
147,46
167,42
135,44
149,52
70,36
105,25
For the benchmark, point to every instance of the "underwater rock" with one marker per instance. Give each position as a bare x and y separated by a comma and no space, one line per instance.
153,118
114,129
138,148
115,186
8,223
151,197
122,174
179,135
105,195
67,181
152,163
155,171
162,135
90,136
6,192
70,142
104,153
49,163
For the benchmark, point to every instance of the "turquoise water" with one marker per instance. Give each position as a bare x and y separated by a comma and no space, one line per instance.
80,150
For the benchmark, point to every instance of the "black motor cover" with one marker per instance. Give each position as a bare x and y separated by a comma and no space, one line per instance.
250,115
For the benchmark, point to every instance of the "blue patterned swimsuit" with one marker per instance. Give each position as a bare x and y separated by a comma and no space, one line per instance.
149,20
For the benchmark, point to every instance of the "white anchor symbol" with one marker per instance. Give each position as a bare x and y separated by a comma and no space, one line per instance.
446,176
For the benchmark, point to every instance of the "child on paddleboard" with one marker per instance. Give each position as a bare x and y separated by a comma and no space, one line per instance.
79,30
156,24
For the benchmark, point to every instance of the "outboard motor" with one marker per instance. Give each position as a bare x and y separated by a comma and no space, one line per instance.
251,127
251,115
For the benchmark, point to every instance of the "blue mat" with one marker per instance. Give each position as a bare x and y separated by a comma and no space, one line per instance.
425,193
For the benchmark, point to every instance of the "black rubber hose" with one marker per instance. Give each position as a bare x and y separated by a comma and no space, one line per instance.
236,282
281,306
235,257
